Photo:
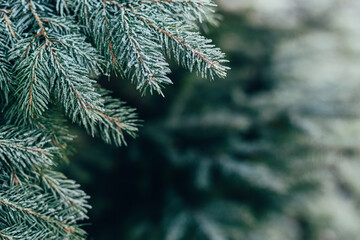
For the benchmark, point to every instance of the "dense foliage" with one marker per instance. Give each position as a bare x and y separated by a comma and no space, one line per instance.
270,152
51,53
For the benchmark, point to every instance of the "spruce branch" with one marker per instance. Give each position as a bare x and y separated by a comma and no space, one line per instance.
39,211
192,11
134,36
44,201
135,52
7,36
60,62
51,53
31,74
189,49
66,191
24,148
147,63
114,120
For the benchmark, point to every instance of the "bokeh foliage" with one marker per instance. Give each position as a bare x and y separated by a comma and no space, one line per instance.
268,153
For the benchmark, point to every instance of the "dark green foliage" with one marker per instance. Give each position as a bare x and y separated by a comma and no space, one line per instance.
263,154
51,55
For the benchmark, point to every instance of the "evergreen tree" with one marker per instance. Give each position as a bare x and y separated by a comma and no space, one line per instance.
51,53
270,152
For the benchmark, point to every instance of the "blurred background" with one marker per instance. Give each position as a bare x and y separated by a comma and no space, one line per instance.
269,153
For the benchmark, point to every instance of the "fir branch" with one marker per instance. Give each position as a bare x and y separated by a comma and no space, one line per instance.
9,25
24,148
21,231
114,120
4,74
188,48
40,211
142,30
31,74
109,40
53,126
191,11
68,65
146,59
81,52
134,50
47,62
7,37
67,192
